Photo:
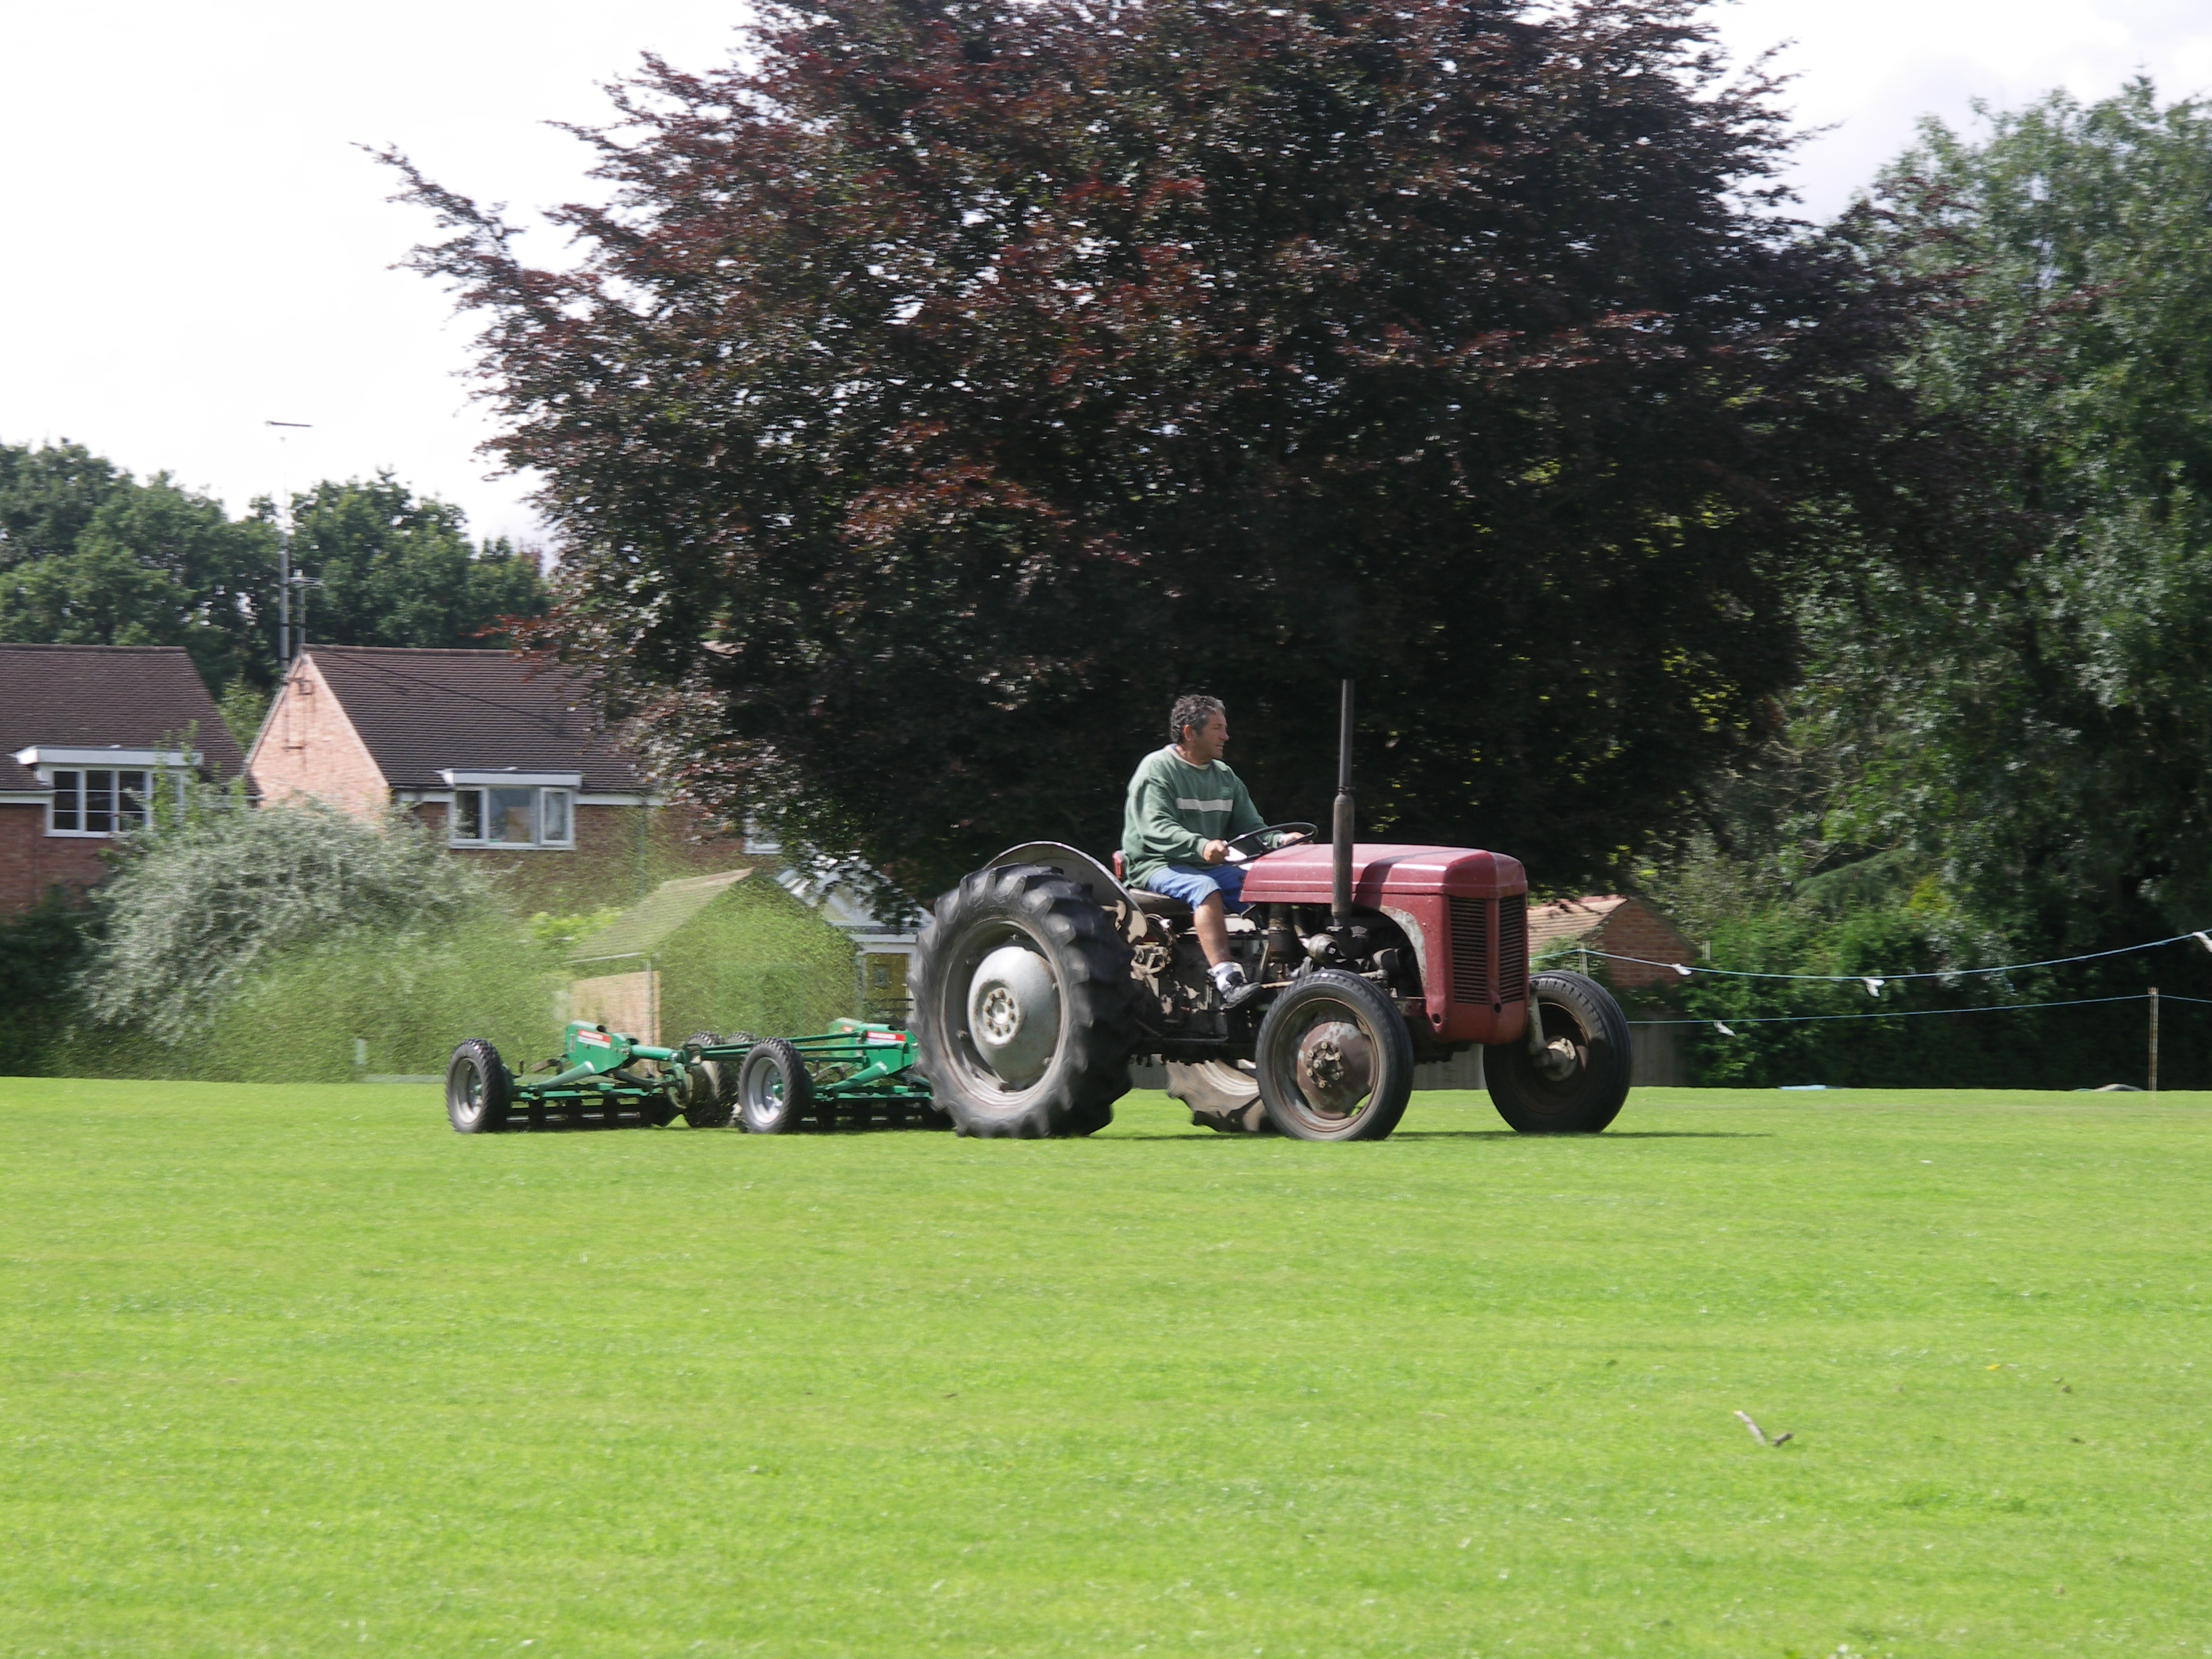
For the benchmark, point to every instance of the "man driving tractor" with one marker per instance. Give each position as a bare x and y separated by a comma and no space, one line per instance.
1185,806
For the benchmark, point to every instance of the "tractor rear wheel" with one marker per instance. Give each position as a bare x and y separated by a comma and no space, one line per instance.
1335,1058
1024,1012
477,1093
1577,1085
773,1090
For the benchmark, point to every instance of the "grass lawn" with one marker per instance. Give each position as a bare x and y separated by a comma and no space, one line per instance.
298,1371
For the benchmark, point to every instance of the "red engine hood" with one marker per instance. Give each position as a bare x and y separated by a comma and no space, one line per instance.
1300,875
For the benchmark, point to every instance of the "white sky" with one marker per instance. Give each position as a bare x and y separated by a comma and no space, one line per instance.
193,245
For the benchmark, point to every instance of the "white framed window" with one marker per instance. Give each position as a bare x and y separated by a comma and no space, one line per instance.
103,792
513,815
98,800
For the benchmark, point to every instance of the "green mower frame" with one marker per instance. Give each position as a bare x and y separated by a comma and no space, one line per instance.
768,1085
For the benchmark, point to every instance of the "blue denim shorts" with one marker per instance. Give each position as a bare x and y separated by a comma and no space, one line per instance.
1193,884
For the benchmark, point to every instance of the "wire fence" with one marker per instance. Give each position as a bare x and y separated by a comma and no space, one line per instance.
1909,1013
1724,1022
1874,982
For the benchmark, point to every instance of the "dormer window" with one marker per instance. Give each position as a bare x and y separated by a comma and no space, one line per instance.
97,800
96,793
513,809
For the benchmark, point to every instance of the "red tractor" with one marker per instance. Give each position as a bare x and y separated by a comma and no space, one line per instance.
1041,975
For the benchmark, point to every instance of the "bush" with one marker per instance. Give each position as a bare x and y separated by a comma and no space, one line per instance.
204,901
1887,916
41,953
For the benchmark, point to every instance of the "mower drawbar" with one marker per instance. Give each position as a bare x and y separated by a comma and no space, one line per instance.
768,1085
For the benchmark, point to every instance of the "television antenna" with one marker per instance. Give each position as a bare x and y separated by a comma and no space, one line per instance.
285,581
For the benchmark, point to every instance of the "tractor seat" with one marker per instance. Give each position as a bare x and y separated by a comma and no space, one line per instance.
1150,903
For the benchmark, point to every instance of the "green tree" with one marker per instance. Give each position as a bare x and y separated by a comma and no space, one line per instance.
2044,728
395,568
89,557
952,381
48,495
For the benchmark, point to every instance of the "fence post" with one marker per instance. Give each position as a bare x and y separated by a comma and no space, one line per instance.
2154,1039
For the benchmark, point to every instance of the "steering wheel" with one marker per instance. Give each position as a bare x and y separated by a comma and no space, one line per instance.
1237,855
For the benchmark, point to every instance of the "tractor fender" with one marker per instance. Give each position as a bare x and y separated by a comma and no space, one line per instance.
1078,866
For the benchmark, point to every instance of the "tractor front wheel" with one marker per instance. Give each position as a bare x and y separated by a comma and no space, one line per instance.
477,1092
1024,1013
773,1090
1577,1085
1335,1058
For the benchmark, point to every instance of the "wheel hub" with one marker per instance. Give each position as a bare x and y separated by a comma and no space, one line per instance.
999,1015
1336,1066
1560,1060
1013,1013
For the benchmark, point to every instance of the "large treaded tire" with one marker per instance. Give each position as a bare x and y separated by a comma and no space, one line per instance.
775,1095
1087,1068
1581,1010
477,1093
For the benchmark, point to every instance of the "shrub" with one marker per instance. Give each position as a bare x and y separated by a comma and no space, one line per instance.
203,900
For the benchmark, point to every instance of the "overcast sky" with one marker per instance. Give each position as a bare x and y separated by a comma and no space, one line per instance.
194,245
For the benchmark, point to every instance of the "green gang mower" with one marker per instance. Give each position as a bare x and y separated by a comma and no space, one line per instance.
855,1071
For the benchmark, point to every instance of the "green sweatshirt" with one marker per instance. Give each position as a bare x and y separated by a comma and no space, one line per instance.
1176,808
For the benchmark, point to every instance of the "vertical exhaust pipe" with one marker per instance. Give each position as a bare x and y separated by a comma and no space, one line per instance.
1339,898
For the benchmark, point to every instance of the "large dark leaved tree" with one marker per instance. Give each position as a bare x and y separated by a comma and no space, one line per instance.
946,386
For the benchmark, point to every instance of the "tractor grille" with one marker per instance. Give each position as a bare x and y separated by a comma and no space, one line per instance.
1470,950
1513,948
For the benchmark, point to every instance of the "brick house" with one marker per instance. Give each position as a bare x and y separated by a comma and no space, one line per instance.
508,760
1616,924
87,734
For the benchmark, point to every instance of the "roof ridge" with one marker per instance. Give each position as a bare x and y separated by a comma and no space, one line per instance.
137,650
418,650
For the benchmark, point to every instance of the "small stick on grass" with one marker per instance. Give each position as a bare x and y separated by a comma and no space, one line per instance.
1758,1435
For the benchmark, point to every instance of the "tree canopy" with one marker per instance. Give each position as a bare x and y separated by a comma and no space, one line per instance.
394,569
946,386
89,556
2045,731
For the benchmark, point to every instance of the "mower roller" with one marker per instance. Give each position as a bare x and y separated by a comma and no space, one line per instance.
769,1086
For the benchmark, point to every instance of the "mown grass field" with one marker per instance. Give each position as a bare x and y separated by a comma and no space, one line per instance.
298,1371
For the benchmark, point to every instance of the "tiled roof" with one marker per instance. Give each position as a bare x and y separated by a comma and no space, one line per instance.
1566,920
421,712
104,696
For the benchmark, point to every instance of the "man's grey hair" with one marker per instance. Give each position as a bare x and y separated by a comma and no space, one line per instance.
1193,710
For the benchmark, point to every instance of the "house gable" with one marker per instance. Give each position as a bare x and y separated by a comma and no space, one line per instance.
309,747
422,715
